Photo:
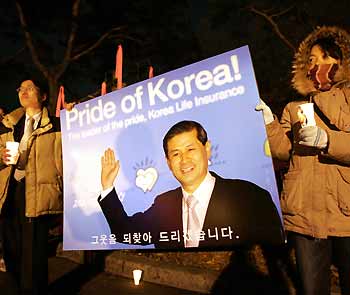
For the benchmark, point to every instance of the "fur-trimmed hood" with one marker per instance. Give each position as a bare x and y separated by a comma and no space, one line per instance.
300,80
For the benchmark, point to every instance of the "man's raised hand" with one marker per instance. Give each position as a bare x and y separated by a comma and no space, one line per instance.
109,169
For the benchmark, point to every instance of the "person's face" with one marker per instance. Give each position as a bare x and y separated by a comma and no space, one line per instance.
188,159
29,95
317,57
2,113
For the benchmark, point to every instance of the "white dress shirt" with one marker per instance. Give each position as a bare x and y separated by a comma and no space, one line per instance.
203,195
20,170
36,118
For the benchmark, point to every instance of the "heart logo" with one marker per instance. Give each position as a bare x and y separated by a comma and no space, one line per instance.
145,179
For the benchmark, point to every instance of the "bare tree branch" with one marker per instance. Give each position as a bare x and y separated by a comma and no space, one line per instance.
30,43
74,28
97,43
127,37
274,25
282,12
54,74
12,57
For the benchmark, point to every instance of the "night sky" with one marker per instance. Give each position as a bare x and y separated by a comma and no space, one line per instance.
163,33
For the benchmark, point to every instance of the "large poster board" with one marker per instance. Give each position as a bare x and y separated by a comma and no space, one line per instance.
220,93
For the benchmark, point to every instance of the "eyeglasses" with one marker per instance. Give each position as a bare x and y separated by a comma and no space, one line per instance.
30,89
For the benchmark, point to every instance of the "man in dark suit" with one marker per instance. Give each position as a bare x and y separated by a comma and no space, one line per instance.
226,212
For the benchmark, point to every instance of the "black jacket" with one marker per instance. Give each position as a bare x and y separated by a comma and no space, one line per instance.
241,205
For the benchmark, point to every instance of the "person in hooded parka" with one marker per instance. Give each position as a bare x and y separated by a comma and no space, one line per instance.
315,198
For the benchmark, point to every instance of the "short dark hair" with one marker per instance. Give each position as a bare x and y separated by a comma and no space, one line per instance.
181,127
329,47
41,84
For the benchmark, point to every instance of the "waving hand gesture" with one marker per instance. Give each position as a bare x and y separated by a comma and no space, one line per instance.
109,169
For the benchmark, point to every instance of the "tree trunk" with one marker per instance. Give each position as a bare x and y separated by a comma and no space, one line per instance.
53,93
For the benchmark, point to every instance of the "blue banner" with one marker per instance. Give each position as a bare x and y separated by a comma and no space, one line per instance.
220,93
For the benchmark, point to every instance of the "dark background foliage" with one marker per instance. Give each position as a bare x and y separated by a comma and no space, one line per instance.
166,34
